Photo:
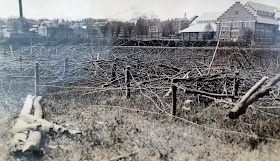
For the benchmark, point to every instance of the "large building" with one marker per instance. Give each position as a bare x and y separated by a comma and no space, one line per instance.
277,17
202,28
250,22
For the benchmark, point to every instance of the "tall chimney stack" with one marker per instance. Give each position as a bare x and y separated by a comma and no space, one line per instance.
20,9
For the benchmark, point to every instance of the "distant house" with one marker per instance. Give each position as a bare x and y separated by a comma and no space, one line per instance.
34,29
202,28
42,29
6,32
3,30
51,29
155,31
251,22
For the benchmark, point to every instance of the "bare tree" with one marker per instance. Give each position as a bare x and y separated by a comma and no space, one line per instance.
168,28
141,26
127,29
105,29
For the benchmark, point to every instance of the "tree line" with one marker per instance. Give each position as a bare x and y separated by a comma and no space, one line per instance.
141,26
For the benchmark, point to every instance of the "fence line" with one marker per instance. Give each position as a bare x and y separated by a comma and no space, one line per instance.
127,81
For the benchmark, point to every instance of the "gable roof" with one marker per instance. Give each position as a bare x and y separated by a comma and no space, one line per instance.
254,7
201,27
267,20
261,7
209,16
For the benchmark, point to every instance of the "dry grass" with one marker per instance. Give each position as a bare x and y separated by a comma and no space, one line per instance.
110,131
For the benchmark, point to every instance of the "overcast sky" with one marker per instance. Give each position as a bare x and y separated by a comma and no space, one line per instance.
117,9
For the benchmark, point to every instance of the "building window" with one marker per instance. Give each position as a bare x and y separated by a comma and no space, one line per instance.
224,24
236,24
248,23
236,12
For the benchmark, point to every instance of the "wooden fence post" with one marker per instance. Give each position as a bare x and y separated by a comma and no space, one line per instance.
127,81
31,50
113,72
235,84
174,100
66,67
20,61
11,49
277,61
36,81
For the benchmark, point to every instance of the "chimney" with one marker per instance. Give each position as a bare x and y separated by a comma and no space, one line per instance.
20,9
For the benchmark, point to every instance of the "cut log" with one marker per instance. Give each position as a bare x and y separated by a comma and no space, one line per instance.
252,95
27,127
21,137
38,111
52,126
34,139
27,107
33,142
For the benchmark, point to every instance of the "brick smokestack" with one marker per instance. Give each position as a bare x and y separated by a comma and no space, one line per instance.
20,9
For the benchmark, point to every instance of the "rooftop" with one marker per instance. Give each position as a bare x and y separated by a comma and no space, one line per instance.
267,20
201,27
208,16
261,7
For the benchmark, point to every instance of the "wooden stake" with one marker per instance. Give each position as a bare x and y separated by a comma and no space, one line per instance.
36,81
113,72
127,81
66,67
174,100
235,84
12,51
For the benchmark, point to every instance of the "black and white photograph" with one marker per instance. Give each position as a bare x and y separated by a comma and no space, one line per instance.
139,80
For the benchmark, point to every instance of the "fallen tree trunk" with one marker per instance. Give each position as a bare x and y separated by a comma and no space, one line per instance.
28,127
47,126
34,139
21,136
252,95
187,90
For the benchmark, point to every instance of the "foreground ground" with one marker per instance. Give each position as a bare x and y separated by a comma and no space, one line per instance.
116,128
117,133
